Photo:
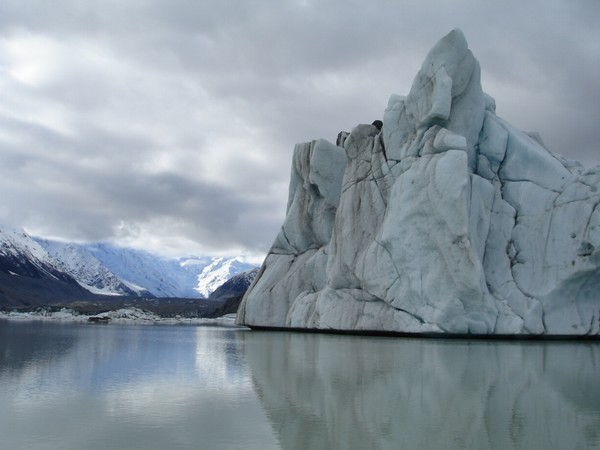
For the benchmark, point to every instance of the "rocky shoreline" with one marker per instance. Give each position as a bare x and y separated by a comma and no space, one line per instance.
120,316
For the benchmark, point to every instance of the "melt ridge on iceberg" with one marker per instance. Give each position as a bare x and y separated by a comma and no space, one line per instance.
447,220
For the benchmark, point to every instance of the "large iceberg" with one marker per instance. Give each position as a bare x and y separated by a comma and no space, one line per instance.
447,220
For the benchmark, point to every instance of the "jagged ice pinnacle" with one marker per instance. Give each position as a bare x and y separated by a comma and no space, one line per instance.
448,220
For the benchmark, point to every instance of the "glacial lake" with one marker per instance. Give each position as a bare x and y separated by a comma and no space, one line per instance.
85,386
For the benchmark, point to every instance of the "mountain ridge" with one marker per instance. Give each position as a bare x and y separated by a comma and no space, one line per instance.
36,271
30,276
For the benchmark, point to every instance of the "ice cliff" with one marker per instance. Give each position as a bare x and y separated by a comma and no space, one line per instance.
448,220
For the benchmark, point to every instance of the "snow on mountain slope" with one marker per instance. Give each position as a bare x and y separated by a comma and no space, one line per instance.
102,268
163,277
236,286
79,262
218,272
196,276
30,276
26,257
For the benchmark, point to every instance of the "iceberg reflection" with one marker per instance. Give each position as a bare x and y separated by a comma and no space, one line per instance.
326,391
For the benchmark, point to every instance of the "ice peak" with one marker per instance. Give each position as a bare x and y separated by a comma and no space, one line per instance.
448,221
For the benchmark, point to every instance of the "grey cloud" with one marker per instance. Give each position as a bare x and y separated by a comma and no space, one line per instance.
54,187
180,117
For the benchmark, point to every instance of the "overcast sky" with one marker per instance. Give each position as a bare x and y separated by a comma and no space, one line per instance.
170,124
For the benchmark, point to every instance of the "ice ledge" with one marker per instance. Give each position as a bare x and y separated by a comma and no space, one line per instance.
433,335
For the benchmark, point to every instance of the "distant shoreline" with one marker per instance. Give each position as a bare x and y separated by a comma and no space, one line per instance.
119,316
162,308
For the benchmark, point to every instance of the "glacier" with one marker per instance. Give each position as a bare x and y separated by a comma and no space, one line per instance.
447,221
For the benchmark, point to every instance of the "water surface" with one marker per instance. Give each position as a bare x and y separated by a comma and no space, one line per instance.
72,386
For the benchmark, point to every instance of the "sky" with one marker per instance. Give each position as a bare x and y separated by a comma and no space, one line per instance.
169,125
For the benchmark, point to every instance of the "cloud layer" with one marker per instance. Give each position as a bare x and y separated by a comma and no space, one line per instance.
170,125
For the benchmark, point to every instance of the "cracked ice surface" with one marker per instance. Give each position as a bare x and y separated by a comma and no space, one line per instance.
449,220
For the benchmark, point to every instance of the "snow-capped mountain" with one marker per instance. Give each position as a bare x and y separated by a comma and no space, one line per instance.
229,295
92,274
29,275
22,256
106,269
163,277
194,276
236,286
218,272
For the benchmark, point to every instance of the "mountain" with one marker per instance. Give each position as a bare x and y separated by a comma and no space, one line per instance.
447,221
36,271
218,272
30,276
230,293
91,273
236,286
163,277
112,270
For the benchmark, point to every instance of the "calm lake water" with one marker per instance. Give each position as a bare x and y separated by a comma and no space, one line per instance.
81,386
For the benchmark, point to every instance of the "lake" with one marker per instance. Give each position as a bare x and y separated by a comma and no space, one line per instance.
83,386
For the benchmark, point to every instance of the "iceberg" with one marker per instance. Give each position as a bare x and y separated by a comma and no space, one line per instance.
447,221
